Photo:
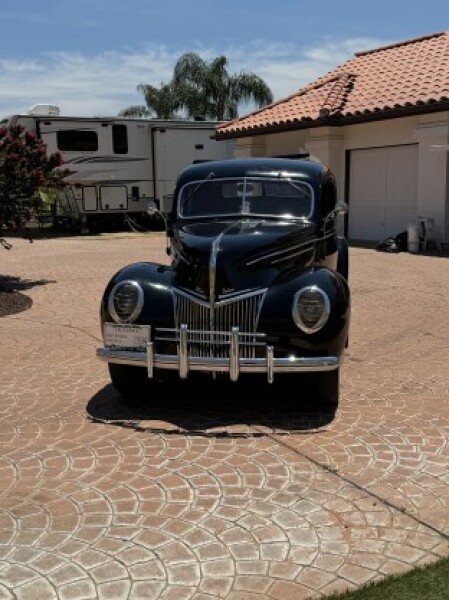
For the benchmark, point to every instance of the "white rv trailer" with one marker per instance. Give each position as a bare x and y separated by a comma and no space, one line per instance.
117,165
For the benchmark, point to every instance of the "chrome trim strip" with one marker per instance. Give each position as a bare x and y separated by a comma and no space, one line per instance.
213,273
201,300
225,298
150,359
239,294
234,366
290,249
183,353
270,364
204,363
293,255
201,332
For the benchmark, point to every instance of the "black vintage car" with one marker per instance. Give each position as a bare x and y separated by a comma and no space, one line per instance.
258,282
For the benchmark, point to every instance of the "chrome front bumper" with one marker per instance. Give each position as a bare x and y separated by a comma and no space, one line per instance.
233,363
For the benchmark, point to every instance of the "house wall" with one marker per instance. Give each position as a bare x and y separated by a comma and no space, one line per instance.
274,144
330,145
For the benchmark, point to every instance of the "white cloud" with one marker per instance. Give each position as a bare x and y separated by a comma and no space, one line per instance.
104,83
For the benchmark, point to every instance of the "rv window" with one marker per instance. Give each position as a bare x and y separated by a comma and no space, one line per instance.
120,139
77,140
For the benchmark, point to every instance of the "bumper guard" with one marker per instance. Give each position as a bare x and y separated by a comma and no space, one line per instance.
233,362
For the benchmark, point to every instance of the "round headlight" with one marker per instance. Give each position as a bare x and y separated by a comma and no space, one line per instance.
125,301
311,309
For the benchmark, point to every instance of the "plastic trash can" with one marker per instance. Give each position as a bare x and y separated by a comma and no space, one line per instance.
413,238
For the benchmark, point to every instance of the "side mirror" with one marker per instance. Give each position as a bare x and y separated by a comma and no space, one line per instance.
152,210
340,209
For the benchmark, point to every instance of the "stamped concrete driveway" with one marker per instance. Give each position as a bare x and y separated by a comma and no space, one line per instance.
218,492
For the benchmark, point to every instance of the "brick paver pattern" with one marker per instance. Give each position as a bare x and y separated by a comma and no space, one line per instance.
209,492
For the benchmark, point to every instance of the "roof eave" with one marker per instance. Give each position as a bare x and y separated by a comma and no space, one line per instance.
337,121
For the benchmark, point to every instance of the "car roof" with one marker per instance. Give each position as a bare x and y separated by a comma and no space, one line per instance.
253,167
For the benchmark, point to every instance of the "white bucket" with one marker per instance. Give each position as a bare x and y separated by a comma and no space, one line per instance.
413,238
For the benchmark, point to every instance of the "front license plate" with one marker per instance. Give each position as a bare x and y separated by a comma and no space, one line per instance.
129,337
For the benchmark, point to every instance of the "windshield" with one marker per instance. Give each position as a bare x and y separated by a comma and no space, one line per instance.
261,197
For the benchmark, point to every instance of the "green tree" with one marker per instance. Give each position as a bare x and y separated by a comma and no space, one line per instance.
208,89
161,102
28,176
201,88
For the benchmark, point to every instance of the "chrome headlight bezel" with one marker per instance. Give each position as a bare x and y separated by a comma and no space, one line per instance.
139,304
325,314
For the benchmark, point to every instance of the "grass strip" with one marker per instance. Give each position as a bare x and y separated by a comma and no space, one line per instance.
422,583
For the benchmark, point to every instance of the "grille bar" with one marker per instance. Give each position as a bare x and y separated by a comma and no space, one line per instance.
240,312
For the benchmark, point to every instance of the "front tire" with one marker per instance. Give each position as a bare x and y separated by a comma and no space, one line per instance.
129,381
327,388
319,389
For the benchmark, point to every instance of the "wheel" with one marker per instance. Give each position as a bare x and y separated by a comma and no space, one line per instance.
327,388
319,389
130,381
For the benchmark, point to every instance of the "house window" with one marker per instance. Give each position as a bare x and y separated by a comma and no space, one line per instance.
120,139
77,140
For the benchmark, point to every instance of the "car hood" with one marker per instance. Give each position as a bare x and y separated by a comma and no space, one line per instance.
223,257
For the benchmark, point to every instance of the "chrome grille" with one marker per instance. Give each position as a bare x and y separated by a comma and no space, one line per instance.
209,327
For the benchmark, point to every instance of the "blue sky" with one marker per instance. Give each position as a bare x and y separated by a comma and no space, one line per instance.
88,56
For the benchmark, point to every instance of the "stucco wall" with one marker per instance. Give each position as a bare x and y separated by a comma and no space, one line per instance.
330,146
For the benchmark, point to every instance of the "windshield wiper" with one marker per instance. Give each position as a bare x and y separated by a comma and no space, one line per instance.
208,177
293,185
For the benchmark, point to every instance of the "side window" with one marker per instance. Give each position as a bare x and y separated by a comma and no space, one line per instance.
120,139
77,140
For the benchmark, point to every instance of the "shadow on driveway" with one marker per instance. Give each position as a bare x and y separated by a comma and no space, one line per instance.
213,408
10,283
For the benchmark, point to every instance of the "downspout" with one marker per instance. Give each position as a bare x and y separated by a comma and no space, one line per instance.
347,190
153,159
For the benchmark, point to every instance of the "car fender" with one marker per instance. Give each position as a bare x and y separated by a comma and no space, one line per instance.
156,282
276,315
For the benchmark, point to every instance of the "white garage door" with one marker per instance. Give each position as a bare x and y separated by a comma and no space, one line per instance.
382,191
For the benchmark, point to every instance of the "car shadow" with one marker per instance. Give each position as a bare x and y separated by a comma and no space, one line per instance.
213,409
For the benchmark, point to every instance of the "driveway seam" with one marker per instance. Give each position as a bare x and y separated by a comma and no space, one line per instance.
65,325
334,472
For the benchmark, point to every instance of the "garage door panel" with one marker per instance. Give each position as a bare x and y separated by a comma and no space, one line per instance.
402,190
382,191
366,223
370,184
397,219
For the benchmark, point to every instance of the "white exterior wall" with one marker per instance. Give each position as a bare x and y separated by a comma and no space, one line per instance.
274,144
330,144
432,134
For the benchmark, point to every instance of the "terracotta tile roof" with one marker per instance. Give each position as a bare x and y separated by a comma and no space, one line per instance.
406,75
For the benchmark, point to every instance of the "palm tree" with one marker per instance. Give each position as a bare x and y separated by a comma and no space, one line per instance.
208,89
161,102
203,89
